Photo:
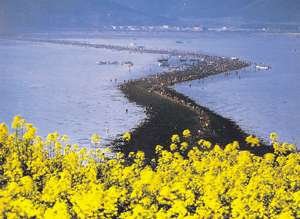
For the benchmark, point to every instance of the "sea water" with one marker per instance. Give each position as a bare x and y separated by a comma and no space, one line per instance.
60,87
259,101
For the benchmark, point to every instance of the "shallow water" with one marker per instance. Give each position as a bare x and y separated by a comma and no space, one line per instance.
62,88
259,101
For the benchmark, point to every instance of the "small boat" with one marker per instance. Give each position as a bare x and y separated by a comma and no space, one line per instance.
262,67
101,63
163,64
163,60
114,63
129,63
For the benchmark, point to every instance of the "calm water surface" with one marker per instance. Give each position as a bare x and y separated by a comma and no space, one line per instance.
259,101
61,88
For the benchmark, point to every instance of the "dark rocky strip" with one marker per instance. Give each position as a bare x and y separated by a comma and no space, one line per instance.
169,112
120,48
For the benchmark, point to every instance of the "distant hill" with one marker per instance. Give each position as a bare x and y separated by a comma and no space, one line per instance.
272,11
44,14
245,10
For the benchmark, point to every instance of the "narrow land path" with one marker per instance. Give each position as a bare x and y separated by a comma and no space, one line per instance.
169,112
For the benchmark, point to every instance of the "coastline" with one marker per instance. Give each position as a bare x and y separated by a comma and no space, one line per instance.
169,112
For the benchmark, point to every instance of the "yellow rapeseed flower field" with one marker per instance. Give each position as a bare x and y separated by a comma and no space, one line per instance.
53,179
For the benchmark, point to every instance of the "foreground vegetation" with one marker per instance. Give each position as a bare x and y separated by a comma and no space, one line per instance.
52,179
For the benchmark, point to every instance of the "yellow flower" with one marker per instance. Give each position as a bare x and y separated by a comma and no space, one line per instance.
64,138
59,210
27,184
3,132
175,138
30,132
95,139
186,133
76,182
273,136
253,141
183,146
283,148
52,137
158,149
173,147
18,122
126,136
207,144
